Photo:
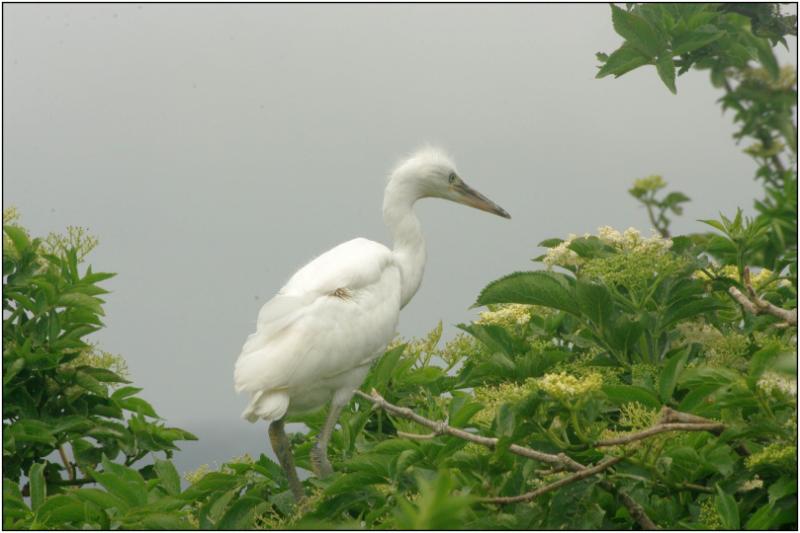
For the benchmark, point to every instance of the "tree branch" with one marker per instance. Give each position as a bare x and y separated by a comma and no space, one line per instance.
756,305
442,428
660,428
67,464
637,511
577,476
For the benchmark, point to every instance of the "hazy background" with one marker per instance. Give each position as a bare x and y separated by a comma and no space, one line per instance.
214,149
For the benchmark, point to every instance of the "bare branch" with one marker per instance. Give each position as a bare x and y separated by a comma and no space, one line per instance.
577,476
755,305
67,464
637,511
660,428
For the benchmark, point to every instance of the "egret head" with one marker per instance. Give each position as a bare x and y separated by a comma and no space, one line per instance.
430,173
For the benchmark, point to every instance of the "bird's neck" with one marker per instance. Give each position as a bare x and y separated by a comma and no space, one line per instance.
409,245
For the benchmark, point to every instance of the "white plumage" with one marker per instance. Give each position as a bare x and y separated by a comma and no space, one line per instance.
315,340
309,340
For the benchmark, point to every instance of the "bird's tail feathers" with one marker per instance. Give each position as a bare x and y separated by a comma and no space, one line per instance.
266,405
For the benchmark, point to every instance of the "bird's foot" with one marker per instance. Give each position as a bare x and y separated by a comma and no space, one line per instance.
319,462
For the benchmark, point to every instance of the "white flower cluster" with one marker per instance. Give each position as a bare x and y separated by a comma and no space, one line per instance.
631,240
567,387
771,381
561,254
506,314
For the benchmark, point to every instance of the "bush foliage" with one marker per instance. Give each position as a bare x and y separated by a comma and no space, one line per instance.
629,381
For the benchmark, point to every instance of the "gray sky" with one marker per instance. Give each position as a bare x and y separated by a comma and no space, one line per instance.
214,149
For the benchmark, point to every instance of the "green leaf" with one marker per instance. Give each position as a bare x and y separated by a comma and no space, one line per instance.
590,247
240,514
386,365
534,288
211,482
38,485
137,405
102,499
124,392
767,57
619,394
727,509
715,224
669,375
762,519
595,302
692,40
89,383
169,477
29,430
550,243
622,60
18,237
666,71
785,486
76,299
123,482
760,362
59,510
14,369
637,31
103,374
504,425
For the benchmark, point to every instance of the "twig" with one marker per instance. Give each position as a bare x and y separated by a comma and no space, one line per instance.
637,511
577,476
756,305
416,436
65,460
655,430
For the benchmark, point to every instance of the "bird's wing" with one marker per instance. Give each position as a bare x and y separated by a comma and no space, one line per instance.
332,315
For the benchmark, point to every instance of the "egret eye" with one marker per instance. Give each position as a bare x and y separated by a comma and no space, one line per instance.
452,179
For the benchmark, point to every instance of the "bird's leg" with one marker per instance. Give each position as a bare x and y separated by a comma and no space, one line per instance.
283,451
319,453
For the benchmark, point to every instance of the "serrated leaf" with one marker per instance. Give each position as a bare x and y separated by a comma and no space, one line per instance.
637,31
595,302
622,60
169,477
137,405
666,71
533,288
692,40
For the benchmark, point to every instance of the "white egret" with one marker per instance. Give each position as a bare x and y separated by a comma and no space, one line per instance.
315,339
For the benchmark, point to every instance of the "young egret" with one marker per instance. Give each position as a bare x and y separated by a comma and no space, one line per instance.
315,339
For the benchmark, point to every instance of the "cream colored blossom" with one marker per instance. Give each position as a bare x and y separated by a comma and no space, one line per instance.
776,455
506,314
567,387
751,484
773,381
561,255
495,396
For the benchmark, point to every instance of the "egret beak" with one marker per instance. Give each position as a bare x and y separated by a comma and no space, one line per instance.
468,196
